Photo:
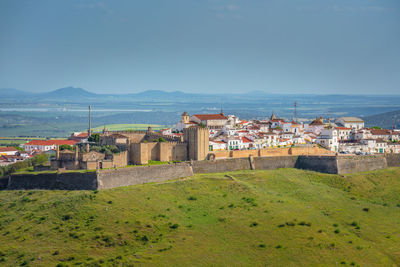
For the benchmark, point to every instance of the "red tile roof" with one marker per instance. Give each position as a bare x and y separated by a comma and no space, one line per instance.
82,135
380,132
7,149
51,142
343,128
246,140
205,117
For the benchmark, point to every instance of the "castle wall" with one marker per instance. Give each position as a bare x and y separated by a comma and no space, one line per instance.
352,164
163,151
393,160
272,163
142,174
326,164
221,165
272,152
120,159
62,181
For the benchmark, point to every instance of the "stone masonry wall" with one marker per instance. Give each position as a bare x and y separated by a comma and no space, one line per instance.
142,174
326,164
271,163
352,164
221,165
63,181
393,160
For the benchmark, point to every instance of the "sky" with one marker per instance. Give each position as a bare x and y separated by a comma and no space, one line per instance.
201,46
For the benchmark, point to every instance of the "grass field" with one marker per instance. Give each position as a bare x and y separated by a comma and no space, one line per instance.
122,127
285,217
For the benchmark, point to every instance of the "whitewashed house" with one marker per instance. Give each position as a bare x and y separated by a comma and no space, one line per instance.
350,122
328,138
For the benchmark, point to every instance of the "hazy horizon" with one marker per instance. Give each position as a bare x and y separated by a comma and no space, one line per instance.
210,46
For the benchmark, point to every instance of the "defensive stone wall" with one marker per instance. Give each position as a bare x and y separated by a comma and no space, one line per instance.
352,164
326,164
393,160
271,163
104,179
272,152
221,165
63,181
142,174
3,183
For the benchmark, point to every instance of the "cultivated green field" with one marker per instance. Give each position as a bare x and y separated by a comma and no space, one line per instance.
285,217
123,127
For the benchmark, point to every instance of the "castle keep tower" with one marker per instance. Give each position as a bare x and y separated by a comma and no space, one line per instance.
198,142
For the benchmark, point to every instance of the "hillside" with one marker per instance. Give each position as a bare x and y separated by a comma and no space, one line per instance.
252,218
384,120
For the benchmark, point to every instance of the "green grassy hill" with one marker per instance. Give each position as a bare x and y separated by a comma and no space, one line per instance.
284,217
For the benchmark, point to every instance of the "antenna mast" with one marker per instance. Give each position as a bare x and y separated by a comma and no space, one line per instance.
90,123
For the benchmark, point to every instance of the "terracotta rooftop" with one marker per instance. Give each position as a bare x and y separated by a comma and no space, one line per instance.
246,140
205,117
7,149
380,132
51,142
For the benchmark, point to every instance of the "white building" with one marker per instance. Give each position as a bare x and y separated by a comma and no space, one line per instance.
328,139
350,122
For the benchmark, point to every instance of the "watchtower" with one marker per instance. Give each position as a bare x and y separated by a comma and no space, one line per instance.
197,139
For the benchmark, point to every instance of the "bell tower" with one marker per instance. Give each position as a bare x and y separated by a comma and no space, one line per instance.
185,117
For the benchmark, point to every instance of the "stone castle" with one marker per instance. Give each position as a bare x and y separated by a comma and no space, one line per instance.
137,147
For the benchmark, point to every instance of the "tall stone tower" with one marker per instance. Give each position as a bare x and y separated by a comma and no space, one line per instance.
198,142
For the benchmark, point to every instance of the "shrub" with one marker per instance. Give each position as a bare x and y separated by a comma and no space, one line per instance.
222,219
253,224
365,209
261,246
336,231
354,223
290,223
174,226
278,246
192,198
66,217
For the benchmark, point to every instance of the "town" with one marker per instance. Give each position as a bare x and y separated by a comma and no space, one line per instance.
206,136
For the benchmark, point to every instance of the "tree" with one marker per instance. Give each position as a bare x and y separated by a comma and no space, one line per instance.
66,147
40,159
94,138
377,128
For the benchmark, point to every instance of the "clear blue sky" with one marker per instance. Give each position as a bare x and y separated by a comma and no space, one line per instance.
285,46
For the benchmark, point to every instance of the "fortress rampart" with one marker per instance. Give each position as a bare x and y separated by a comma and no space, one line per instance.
104,179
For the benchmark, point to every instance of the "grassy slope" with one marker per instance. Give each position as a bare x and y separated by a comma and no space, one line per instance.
229,221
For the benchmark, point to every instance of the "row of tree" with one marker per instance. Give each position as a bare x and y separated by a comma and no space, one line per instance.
37,160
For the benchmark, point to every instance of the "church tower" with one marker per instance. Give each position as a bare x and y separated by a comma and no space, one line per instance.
185,117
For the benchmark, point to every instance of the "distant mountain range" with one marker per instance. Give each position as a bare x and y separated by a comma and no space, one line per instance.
70,93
